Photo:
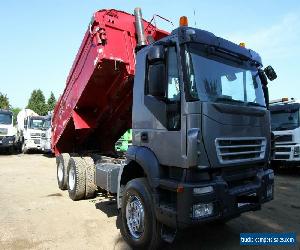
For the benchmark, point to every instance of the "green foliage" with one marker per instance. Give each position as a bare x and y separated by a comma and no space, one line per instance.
37,102
4,102
51,102
15,113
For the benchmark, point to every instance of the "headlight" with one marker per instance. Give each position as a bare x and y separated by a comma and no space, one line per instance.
43,135
202,210
10,139
3,131
296,151
271,176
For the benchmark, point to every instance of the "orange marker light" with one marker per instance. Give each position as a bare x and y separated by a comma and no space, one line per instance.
243,45
285,99
183,21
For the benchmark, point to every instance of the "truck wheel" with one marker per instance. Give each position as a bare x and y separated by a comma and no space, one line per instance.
76,178
90,171
62,162
10,150
23,148
139,227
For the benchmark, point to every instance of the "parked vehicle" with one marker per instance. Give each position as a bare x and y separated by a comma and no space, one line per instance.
46,136
8,133
197,105
124,142
30,129
286,129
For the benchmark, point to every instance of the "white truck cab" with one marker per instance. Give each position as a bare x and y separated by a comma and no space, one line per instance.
30,126
285,124
8,135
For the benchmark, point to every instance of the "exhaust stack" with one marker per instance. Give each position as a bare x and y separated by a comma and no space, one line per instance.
139,27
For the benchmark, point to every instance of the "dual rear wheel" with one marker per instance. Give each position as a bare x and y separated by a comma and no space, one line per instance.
139,226
77,174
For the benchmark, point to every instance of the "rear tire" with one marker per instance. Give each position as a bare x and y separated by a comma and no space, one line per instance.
139,226
62,162
10,150
24,149
76,178
90,171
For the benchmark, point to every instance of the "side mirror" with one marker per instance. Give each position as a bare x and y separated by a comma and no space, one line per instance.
157,80
156,53
270,73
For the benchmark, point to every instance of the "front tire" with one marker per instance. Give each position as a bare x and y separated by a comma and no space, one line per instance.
139,226
62,162
10,150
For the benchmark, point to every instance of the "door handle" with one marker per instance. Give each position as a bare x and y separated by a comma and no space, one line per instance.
144,137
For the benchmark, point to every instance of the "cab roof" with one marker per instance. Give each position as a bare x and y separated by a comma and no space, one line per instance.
188,34
5,111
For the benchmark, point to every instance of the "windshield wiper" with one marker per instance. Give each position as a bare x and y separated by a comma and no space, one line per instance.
254,104
227,99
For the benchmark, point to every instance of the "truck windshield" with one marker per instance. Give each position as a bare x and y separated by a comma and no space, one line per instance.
285,119
5,119
36,123
47,123
216,79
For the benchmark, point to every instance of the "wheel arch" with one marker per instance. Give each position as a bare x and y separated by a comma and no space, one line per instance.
141,162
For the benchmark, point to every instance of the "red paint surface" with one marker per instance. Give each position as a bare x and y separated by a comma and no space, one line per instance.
95,107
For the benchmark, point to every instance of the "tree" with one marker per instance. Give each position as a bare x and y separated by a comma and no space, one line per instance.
15,113
4,102
51,102
37,102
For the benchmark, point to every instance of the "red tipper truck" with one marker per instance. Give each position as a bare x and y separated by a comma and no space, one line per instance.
198,108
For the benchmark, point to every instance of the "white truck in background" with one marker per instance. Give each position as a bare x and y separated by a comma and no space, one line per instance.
8,133
285,124
46,135
30,129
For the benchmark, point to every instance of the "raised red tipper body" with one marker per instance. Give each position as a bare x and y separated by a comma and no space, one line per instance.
95,107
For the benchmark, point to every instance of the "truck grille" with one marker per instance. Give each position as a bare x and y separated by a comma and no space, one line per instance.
233,150
283,138
35,135
282,149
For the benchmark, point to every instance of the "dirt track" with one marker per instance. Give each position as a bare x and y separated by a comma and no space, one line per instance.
35,214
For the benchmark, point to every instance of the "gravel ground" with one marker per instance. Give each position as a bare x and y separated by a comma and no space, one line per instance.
35,214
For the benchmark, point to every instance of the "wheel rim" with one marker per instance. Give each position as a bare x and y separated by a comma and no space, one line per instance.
72,179
60,172
135,216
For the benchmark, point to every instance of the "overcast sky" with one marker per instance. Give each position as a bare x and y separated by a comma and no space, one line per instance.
39,39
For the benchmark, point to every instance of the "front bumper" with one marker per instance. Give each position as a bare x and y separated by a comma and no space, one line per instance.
33,144
7,141
287,152
46,145
228,202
